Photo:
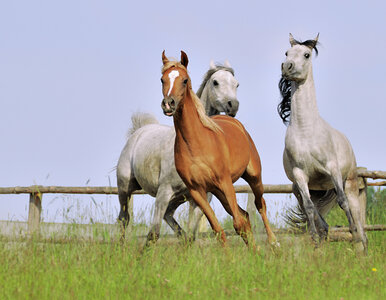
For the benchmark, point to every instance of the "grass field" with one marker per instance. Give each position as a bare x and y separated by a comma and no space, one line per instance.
72,269
85,270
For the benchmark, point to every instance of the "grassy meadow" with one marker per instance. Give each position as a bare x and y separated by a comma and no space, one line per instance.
73,268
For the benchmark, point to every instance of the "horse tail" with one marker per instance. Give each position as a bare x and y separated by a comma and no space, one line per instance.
324,201
139,120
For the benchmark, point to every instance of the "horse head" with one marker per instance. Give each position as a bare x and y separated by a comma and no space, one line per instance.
298,63
219,90
175,83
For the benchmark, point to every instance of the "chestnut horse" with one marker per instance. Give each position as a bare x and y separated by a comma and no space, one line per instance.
211,153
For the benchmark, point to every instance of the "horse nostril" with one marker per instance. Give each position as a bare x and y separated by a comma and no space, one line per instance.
289,66
230,104
172,103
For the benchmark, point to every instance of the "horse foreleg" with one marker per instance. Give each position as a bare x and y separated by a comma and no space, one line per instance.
301,185
256,185
173,205
343,202
195,217
226,195
199,196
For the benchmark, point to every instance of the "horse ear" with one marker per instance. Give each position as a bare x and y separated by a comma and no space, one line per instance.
227,64
316,39
164,58
212,66
292,40
184,59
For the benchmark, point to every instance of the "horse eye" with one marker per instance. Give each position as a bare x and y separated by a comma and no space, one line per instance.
307,55
215,82
185,81
286,53
162,81
237,85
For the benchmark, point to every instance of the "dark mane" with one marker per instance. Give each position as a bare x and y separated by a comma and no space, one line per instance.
284,107
209,74
310,44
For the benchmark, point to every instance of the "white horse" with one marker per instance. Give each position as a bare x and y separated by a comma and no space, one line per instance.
147,160
318,159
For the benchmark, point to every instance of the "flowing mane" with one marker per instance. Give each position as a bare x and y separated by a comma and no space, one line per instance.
209,74
284,107
205,120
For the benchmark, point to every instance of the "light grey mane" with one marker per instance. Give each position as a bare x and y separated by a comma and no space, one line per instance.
209,74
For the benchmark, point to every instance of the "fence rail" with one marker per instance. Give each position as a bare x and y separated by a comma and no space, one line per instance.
36,192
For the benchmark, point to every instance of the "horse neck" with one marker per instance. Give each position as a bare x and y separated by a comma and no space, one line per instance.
187,123
206,101
304,109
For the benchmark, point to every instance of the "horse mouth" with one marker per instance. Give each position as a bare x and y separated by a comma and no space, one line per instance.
290,76
169,112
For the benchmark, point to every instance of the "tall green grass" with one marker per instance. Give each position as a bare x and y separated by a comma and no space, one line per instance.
71,268
76,270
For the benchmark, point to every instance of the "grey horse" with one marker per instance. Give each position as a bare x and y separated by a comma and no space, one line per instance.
147,160
317,158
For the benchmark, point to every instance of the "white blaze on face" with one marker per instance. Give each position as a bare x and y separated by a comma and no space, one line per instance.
172,75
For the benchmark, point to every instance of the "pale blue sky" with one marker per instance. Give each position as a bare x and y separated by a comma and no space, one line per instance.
73,72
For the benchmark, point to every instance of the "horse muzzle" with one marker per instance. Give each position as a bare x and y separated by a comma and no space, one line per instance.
168,106
232,107
288,70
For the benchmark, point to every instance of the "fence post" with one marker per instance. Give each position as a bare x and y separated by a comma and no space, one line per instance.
362,185
34,212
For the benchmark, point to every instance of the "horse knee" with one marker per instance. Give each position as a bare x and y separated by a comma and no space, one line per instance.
240,224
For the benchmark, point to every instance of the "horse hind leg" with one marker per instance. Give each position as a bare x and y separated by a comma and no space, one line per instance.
171,221
323,201
351,209
124,195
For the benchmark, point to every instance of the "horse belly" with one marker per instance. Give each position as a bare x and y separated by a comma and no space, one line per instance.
147,157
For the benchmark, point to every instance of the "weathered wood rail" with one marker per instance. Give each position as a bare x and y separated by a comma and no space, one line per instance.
36,192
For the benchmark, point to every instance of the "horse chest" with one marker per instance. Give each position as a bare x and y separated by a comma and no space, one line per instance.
310,152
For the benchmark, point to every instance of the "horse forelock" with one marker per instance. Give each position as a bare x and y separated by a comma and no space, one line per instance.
284,107
310,44
205,120
209,74
173,64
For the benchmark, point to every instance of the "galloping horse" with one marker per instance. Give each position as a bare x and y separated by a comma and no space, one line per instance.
211,153
147,160
317,158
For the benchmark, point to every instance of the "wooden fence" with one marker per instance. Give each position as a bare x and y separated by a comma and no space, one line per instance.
36,193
